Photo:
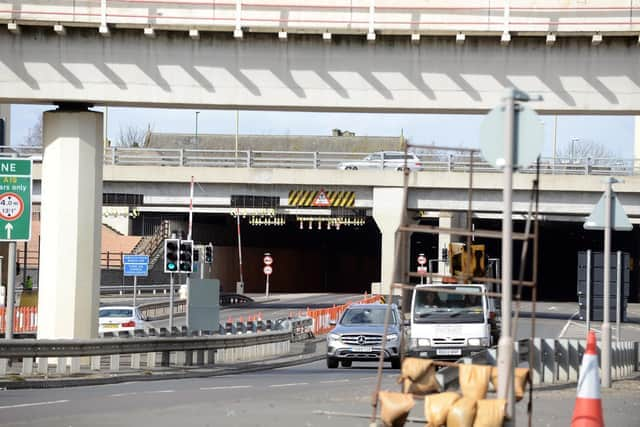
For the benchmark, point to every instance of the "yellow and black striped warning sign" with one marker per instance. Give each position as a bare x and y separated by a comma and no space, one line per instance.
343,199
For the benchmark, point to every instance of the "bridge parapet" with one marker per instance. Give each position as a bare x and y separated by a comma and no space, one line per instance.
480,17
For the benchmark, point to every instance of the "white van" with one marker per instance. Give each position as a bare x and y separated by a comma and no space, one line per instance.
449,325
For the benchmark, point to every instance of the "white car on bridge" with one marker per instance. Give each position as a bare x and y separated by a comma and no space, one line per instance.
385,160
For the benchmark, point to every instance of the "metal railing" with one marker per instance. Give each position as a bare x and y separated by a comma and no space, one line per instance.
173,351
429,161
555,361
253,340
343,17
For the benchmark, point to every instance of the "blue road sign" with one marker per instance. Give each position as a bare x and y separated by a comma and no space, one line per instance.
136,265
135,259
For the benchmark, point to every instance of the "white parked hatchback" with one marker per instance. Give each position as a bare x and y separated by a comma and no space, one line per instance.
385,160
120,318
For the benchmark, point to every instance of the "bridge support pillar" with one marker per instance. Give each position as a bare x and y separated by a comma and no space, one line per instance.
387,212
5,113
70,235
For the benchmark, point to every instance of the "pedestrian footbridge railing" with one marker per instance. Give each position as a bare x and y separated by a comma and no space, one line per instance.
554,361
482,17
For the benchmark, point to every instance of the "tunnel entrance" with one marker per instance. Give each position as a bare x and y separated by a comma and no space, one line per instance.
559,244
310,258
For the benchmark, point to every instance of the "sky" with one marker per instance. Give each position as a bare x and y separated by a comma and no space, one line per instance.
616,133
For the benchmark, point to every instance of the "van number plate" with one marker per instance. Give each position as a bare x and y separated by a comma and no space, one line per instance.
449,352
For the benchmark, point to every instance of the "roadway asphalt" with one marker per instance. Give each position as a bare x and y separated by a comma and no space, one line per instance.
304,395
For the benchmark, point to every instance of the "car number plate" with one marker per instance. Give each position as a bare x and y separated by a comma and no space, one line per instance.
362,349
449,352
110,325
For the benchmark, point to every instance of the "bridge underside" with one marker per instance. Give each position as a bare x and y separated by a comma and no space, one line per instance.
304,73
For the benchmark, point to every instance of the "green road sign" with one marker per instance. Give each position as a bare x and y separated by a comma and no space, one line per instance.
15,199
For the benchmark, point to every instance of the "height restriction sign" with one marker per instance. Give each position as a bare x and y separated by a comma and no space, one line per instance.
15,199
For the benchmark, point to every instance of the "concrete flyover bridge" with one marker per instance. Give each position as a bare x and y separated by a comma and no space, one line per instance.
384,56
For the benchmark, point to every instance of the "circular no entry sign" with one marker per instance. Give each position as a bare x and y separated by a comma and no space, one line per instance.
267,260
267,270
422,260
11,206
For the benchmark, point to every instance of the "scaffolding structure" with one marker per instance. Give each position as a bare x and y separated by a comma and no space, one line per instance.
402,276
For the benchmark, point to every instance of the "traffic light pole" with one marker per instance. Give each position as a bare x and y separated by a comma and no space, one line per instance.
170,302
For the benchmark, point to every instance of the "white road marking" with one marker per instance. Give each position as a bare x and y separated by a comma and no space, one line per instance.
123,394
566,326
367,378
288,385
159,391
26,405
226,387
334,381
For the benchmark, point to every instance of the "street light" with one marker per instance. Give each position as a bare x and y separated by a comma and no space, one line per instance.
573,142
197,112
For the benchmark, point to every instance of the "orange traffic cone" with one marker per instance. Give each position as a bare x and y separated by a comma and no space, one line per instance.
588,409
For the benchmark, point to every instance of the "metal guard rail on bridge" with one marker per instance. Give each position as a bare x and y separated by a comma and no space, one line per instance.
430,160
341,17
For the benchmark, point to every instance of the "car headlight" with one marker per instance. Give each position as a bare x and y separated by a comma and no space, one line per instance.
392,337
479,342
333,337
424,342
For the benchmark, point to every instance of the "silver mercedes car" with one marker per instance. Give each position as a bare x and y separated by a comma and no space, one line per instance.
358,336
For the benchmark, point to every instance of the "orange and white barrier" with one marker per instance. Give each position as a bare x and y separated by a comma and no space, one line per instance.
323,316
25,320
588,409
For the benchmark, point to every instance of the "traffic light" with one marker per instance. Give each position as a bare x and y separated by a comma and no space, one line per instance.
171,247
196,254
186,256
208,254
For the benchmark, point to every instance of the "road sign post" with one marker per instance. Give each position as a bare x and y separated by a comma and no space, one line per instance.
135,265
15,199
607,214
15,220
511,136
267,270
422,270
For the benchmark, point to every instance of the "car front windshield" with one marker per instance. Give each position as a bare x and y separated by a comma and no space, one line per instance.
443,307
116,312
365,316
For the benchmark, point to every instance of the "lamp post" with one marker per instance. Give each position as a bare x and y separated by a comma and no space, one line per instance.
573,142
197,112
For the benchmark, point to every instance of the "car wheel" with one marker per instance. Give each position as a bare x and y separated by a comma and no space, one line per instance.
346,363
332,362
352,168
395,363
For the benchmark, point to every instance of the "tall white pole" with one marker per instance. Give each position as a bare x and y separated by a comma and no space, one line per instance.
237,125
606,325
619,296
588,290
190,209
239,244
505,345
